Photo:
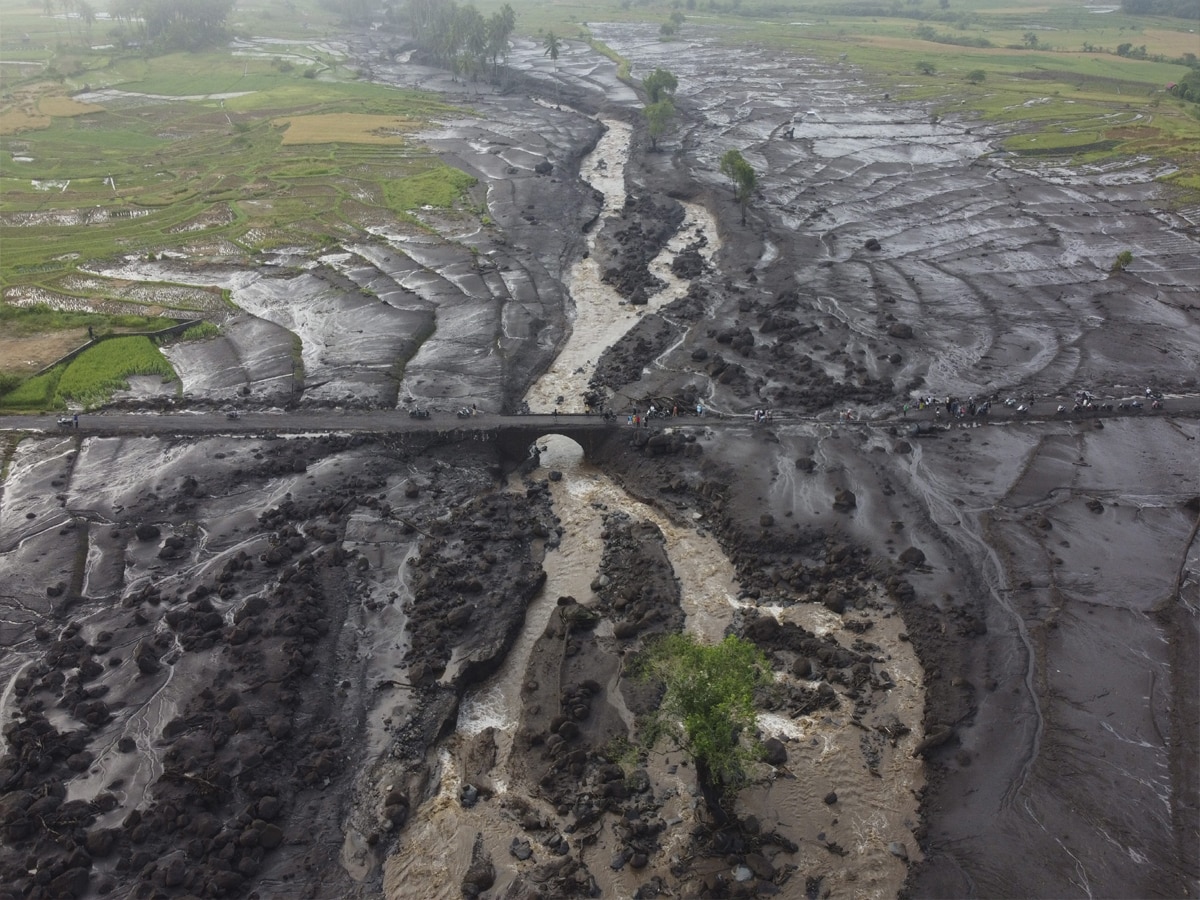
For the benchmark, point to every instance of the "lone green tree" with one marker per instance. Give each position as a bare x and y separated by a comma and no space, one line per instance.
658,120
659,85
1121,263
707,705
743,177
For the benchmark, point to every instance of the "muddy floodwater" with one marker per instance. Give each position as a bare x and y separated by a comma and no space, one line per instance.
912,438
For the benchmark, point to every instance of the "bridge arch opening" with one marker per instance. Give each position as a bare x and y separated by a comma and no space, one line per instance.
557,451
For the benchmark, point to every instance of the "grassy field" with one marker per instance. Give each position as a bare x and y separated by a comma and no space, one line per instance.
240,157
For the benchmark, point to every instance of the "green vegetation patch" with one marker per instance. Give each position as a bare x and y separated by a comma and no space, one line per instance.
201,332
439,186
92,376
36,392
17,321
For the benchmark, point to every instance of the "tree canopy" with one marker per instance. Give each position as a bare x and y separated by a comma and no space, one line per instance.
175,24
659,84
708,702
459,37
743,176
658,120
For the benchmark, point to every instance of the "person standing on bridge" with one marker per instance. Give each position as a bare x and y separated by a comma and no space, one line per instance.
555,413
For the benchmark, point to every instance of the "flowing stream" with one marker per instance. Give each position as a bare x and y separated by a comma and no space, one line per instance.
600,316
880,810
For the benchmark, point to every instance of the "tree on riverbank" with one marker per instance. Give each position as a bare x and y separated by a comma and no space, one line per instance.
658,120
659,85
707,705
742,174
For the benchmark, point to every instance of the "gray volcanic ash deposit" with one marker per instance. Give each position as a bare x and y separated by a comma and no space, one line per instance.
337,653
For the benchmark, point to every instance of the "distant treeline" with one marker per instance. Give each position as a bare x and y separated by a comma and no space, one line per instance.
929,33
1180,9
1188,87
170,24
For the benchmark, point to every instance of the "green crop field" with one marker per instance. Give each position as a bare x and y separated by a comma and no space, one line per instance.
91,377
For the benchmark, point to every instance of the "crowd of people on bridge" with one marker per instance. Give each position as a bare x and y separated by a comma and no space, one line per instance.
642,420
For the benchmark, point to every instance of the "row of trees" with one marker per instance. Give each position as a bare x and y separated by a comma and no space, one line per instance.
1188,87
1180,9
459,37
173,24
78,13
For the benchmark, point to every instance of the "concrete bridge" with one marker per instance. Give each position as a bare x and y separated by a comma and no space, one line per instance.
514,435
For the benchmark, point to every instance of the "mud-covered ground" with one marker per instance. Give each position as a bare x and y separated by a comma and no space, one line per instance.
235,663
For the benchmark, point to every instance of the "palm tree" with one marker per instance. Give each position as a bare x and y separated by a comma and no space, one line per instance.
552,45
500,27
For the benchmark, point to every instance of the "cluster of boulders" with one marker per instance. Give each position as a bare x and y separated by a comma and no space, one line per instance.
472,583
231,763
622,363
203,803
689,262
630,589
629,246
820,662
571,736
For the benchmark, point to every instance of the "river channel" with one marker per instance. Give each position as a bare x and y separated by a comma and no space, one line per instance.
875,813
